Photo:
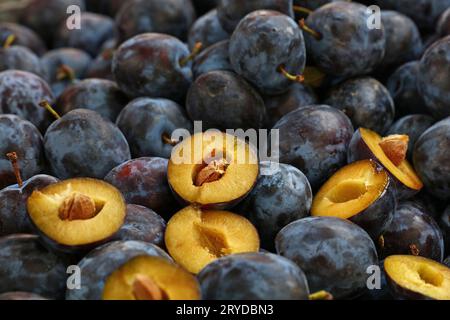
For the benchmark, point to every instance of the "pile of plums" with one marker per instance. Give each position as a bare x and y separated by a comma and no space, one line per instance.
357,116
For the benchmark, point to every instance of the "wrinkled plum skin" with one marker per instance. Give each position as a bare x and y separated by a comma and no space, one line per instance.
413,126
149,65
224,100
27,266
403,40
297,96
18,295
315,139
443,26
366,102
333,253
20,58
84,144
278,198
13,205
412,226
20,94
76,59
347,47
24,138
431,159
24,37
434,78
143,181
207,30
173,17
212,58
445,227
253,276
402,85
262,42
145,120
96,29
102,96
231,12
102,261
142,224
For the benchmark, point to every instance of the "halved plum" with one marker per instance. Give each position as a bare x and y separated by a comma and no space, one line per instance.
361,192
390,152
213,169
415,278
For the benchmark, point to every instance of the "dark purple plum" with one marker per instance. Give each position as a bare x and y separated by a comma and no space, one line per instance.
24,37
434,78
224,100
443,26
413,126
281,195
365,101
94,32
402,85
253,276
102,261
84,144
412,231
231,12
142,224
207,30
172,17
20,94
334,254
101,66
143,181
344,45
297,96
431,159
102,96
315,140
13,204
23,138
148,125
212,58
25,265
153,65
263,45
403,40
20,58
20,295
444,222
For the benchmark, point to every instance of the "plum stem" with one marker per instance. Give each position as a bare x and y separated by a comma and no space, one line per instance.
300,9
46,105
321,295
12,156
296,78
316,34
167,140
195,51
414,250
65,72
9,41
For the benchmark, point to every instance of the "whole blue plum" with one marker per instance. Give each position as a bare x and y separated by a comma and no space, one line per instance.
207,30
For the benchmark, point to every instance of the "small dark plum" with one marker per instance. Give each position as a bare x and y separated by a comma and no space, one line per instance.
101,66
20,295
143,181
95,30
443,26
334,254
214,57
253,276
412,231
268,50
142,224
224,100
315,140
431,159
148,125
365,101
340,42
434,78
20,94
153,65
402,85
281,195
413,126
173,17
84,144
231,12
207,30
19,58
444,222
102,96
24,37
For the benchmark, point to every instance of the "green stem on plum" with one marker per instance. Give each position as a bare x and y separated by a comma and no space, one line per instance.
296,78
167,140
195,51
46,105
9,41
317,35
12,156
321,295
65,72
300,9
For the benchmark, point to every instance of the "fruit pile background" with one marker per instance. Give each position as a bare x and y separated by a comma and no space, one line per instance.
87,179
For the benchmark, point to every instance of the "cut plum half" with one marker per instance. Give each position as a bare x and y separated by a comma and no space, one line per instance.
195,237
